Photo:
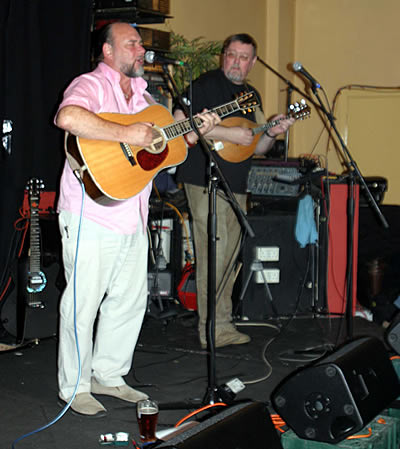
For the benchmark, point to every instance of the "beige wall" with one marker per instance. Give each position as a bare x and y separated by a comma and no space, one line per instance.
345,42
341,42
216,19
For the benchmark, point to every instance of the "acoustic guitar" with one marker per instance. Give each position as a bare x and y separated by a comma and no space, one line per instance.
118,171
233,152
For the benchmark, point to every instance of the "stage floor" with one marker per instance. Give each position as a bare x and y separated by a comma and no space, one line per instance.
170,366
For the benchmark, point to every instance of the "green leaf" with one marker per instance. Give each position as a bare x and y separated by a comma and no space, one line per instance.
201,55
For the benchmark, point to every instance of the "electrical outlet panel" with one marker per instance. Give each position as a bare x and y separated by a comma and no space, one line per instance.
272,276
267,253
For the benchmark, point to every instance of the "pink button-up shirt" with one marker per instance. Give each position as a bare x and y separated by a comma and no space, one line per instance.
100,91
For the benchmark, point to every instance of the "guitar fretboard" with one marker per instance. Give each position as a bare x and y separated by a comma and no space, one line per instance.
184,126
300,112
268,125
34,258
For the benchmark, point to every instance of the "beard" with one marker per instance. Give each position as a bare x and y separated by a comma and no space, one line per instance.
131,72
235,75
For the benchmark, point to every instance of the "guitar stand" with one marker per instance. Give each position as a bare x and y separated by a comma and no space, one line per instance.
164,313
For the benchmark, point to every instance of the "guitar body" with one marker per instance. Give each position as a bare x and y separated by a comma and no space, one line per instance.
118,171
234,152
32,315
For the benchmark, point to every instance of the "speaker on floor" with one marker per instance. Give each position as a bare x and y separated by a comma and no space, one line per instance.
243,426
289,282
392,335
340,394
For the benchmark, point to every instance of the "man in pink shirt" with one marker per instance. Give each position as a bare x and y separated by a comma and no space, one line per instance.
111,267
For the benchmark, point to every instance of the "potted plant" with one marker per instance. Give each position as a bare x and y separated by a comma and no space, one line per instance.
199,56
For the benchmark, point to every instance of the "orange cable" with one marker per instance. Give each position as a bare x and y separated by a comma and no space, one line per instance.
365,435
369,434
278,422
198,411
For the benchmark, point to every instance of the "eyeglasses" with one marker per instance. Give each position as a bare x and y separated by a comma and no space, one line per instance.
233,55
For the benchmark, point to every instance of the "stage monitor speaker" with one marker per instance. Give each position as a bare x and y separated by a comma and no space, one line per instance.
243,426
340,394
392,335
288,269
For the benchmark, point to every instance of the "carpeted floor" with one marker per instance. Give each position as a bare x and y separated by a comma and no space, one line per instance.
170,366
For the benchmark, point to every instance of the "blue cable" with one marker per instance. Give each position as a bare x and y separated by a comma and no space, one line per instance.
67,406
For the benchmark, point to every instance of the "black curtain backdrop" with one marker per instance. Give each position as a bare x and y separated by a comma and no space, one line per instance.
44,44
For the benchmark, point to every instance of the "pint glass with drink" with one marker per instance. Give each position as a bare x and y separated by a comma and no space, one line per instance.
147,416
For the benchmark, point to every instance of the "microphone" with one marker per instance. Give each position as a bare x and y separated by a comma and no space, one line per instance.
151,57
298,67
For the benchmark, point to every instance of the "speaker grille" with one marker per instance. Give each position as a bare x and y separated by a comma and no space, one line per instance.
340,394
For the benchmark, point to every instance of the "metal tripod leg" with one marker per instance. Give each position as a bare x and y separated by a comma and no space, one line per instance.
256,265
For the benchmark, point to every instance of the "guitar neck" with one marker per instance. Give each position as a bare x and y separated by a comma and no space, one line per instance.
184,126
34,252
268,125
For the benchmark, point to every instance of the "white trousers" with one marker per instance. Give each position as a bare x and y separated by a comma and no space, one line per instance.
111,285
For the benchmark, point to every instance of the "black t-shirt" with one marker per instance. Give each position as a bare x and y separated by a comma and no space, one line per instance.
210,90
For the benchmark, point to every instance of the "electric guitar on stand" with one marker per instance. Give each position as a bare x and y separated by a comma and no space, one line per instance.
29,312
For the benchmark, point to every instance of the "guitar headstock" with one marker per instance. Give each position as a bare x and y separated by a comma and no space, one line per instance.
299,111
247,102
34,187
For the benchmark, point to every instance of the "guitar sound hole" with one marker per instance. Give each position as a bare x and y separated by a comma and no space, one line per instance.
149,161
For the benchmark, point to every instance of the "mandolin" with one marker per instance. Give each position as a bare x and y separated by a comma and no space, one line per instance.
232,152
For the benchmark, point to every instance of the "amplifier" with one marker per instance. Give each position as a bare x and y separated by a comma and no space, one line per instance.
155,39
268,177
161,6
377,186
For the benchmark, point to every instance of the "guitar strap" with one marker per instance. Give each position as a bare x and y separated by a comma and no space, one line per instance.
149,98
73,163
259,115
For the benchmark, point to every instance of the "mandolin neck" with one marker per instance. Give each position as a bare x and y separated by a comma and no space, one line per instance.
268,125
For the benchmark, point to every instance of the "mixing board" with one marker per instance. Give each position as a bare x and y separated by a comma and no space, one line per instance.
274,180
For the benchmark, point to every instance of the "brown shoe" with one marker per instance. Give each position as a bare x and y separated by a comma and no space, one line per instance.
226,337
124,392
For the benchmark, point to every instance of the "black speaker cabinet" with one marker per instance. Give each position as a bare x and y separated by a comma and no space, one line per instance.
289,269
340,394
393,334
243,426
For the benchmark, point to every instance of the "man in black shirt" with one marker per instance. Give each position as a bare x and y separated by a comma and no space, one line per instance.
214,88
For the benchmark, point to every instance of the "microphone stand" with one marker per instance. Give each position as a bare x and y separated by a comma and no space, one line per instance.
291,87
216,177
354,173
